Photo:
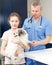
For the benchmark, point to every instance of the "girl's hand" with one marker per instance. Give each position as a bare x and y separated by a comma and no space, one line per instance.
8,56
16,53
21,55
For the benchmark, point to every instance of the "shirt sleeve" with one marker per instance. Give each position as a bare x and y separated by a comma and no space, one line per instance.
5,36
48,29
24,24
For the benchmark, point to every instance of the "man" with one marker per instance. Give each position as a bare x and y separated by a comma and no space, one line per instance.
38,29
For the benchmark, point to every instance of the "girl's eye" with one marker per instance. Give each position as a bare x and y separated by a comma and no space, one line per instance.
16,21
12,21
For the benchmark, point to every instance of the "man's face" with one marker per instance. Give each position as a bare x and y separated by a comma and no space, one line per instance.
36,11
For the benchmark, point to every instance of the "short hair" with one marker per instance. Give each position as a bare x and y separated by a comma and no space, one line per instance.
36,3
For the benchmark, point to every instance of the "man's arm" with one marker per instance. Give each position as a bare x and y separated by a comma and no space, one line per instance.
41,42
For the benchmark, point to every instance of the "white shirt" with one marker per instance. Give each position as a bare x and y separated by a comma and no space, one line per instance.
11,47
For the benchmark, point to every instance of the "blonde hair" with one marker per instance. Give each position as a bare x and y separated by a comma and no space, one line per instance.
36,3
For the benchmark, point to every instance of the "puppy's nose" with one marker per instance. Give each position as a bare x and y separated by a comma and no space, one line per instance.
15,35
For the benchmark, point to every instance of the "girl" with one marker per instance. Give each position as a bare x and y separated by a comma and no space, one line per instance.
11,47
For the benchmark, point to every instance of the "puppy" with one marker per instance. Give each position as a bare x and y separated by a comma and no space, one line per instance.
22,35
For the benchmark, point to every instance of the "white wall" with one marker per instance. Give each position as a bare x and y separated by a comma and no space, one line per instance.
47,8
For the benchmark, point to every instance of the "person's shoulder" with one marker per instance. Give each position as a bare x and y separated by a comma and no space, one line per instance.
46,20
6,34
7,31
26,20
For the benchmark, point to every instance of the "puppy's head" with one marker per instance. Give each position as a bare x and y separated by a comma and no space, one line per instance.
15,33
19,32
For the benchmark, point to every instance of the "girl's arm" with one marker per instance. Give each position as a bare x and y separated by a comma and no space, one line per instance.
18,41
27,47
3,46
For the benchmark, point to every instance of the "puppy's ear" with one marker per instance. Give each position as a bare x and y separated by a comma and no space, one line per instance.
21,32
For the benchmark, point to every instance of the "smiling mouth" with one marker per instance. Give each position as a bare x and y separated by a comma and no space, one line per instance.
14,25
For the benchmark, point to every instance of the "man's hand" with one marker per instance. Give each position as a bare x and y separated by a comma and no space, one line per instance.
34,43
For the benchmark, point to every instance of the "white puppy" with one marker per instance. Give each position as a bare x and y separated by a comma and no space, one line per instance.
21,35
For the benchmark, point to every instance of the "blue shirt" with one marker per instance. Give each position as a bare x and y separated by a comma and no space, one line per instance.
36,31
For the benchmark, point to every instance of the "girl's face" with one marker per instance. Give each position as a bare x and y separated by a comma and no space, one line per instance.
14,22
